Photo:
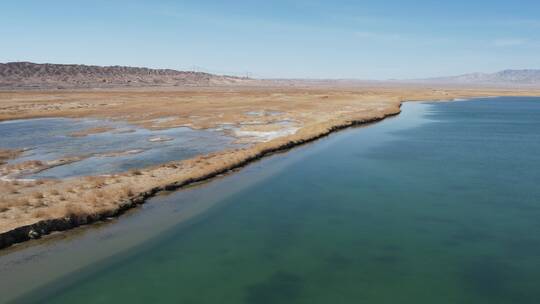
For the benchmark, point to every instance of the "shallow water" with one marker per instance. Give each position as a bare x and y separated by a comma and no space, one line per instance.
438,205
49,139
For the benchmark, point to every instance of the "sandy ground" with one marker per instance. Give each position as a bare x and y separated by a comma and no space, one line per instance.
265,118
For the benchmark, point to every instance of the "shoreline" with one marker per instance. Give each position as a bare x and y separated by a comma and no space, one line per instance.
45,227
61,205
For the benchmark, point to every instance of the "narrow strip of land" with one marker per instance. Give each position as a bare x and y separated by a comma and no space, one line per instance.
29,209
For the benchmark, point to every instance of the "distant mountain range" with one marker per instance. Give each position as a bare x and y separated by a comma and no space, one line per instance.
502,78
28,75
15,75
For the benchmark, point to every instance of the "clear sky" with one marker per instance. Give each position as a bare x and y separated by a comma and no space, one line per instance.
290,39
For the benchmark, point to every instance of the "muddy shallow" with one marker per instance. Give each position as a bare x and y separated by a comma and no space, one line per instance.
119,148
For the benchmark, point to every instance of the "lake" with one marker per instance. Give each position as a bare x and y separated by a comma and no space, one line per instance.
440,204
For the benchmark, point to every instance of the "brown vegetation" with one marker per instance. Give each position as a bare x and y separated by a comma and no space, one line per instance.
90,131
7,154
316,111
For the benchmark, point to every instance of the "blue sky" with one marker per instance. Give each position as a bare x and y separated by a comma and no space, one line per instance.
290,39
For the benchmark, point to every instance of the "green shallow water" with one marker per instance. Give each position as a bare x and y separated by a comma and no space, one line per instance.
438,205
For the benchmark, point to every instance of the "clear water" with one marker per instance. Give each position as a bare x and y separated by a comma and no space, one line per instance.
439,205
49,139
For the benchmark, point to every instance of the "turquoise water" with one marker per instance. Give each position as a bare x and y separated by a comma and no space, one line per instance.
439,205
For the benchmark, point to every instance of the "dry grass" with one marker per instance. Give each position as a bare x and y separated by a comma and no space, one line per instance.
209,107
17,203
8,187
26,166
126,191
40,213
315,109
7,154
75,210
38,195
94,182
90,131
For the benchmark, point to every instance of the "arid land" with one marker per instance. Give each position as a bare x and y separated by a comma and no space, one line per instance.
31,208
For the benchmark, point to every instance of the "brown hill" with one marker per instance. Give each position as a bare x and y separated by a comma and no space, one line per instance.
21,75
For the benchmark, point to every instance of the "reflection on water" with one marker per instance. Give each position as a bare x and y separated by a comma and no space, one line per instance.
122,148
438,205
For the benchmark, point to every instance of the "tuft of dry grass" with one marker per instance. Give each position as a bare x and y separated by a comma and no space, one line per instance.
17,202
126,191
95,181
7,154
90,198
41,213
38,195
7,187
75,210
29,185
